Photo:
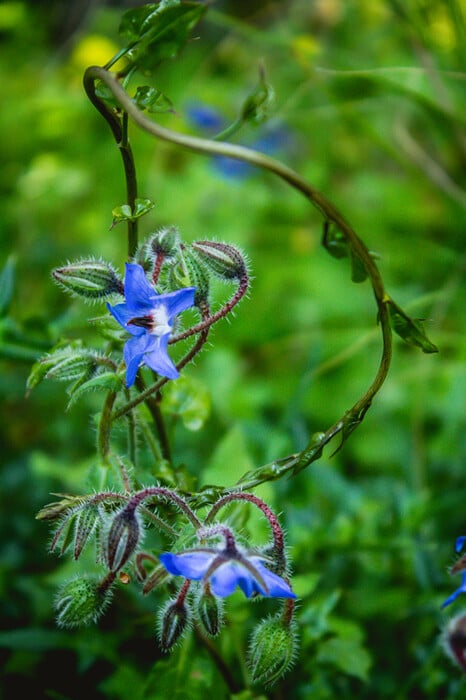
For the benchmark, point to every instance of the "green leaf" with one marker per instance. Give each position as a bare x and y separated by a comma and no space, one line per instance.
157,32
153,100
125,213
347,655
410,330
7,277
188,399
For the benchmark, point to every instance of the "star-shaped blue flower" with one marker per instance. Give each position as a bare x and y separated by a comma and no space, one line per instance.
149,317
454,596
225,570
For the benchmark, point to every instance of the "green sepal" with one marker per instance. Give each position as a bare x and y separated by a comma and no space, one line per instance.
65,364
152,100
409,329
7,278
157,32
188,271
107,381
125,213
86,523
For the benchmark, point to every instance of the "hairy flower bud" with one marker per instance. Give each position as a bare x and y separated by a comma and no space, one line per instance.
80,602
122,539
210,611
223,260
272,650
454,640
173,621
89,279
189,271
164,242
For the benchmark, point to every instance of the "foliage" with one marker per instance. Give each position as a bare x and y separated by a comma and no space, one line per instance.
373,487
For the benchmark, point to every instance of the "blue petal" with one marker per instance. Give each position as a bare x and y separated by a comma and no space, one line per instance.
158,359
123,314
225,579
176,302
278,587
133,354
139,294
191,565
459,543
454,596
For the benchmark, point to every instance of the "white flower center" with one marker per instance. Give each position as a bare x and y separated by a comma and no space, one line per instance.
160,325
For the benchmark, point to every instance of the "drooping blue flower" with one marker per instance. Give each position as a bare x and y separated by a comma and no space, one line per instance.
148,317
454,596
225,570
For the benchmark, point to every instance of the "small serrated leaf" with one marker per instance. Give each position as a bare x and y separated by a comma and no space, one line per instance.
409,329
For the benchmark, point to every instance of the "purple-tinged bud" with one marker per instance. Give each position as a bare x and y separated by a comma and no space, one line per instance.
164,243
272,650
123,538
93,280
210,611
224,260
81,601
454,640
174,619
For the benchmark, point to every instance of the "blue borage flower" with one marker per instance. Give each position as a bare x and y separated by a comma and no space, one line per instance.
149,317
225,569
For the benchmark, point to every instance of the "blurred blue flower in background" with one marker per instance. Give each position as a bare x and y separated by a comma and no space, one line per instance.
274,138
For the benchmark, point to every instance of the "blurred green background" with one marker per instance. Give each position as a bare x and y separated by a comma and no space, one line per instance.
370,108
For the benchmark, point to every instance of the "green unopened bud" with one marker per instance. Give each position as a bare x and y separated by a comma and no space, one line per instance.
190,272
259,103
272,650
174,619
210,612
223,259
164,242
123,538
89,279
81,601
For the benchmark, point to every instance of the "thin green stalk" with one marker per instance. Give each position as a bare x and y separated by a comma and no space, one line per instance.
119,130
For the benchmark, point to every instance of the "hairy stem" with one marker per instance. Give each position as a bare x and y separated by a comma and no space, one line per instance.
330,213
